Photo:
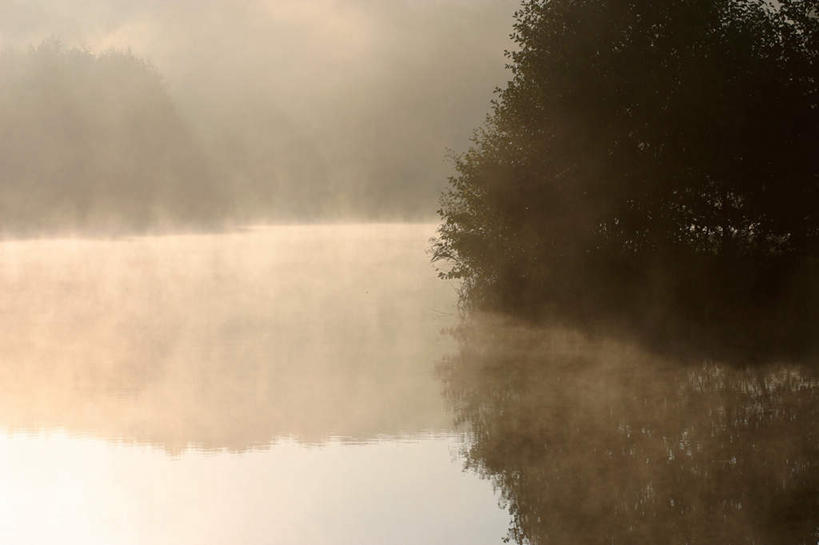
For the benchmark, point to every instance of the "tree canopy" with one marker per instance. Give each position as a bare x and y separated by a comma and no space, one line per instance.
640,145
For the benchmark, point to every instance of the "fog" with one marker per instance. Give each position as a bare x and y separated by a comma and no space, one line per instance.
202,341
257,110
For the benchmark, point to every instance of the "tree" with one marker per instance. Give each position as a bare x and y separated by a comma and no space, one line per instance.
640,148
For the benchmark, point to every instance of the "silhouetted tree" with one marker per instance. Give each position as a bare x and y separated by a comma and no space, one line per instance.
640,150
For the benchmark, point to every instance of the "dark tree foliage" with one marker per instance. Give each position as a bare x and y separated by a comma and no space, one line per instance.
644,155
94,143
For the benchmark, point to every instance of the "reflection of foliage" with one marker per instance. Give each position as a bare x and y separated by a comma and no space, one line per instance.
94,141
643,150
594,442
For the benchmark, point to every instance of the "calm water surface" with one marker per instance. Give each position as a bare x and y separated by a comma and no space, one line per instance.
592,440
291,385
269,386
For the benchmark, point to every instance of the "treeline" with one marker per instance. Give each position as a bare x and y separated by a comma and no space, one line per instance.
652,162
342,129
94,143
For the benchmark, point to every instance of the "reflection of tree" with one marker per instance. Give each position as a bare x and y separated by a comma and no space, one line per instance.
594,442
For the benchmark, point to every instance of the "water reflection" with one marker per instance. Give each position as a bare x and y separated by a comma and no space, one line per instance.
224,341
594,441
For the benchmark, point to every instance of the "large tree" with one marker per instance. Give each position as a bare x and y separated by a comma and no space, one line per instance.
640,138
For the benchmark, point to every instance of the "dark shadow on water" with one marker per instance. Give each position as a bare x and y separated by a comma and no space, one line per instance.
740,312
594,440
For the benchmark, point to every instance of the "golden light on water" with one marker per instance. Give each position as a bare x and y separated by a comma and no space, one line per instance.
224,340
236,388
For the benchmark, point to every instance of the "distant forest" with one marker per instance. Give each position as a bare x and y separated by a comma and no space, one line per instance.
649,163
93,142
99,143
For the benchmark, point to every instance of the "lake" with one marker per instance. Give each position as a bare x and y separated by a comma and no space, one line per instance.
274,385
317,384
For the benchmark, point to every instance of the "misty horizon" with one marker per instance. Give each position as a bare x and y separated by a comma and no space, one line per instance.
270,112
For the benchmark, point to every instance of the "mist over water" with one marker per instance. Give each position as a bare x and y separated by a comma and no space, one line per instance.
205,341
592,439
271,385
290,371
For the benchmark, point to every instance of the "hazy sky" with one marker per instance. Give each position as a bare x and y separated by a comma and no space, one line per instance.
321,100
